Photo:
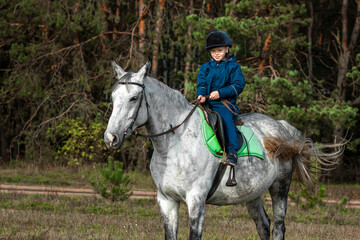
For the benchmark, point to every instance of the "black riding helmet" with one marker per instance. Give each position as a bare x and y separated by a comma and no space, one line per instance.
217,38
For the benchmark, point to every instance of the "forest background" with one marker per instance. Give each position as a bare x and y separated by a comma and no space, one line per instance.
301,61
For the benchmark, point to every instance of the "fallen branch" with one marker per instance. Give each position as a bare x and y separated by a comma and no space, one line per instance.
82,43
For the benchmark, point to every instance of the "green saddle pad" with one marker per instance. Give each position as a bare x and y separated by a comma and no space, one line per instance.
251,144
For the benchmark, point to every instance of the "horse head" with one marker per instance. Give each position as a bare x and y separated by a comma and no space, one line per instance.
129,105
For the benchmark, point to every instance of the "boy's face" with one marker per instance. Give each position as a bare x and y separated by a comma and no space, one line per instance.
219,53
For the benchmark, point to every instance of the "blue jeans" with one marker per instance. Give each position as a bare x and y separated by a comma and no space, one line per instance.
231,143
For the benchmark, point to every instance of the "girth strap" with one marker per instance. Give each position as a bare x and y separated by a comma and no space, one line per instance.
217,179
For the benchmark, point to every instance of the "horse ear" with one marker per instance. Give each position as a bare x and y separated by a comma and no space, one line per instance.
118,70
144,70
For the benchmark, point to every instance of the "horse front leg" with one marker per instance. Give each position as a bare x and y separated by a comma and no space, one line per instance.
196,208
170,213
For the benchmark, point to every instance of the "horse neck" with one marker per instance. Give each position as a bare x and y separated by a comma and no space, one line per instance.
166,107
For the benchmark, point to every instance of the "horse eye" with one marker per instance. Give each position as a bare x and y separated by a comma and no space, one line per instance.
133,99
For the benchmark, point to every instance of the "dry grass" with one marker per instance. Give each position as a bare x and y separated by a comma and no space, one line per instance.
61,217
64,217
65,176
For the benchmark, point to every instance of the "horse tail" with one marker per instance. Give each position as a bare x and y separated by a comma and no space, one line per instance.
307,158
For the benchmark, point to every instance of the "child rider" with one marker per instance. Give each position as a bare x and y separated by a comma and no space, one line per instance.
222,78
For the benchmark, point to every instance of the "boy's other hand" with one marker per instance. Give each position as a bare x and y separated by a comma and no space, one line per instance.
214,95
201,98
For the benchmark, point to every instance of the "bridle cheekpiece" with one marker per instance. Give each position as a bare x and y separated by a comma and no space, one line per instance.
136,113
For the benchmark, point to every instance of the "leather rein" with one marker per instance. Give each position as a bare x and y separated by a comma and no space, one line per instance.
133,119
172,129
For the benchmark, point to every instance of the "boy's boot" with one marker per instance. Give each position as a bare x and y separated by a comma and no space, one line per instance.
231,159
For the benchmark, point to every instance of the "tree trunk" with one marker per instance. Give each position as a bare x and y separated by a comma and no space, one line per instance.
343,60
158,27
142,29
117,20
4,146
346,48
188,51
208,8
105,36
310,55
264,54
231,14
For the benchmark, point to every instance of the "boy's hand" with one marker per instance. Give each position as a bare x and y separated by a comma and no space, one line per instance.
214,95
201,98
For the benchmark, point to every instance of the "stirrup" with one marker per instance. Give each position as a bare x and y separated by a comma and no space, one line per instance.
231,182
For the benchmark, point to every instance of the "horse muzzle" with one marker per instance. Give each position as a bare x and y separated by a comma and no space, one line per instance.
113,140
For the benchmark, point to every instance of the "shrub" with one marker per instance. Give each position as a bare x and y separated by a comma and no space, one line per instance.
78,142
112,182
309,200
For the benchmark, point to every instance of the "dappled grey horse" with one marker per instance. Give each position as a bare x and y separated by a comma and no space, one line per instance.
183,168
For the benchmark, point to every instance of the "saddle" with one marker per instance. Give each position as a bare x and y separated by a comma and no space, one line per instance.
214,139
215,122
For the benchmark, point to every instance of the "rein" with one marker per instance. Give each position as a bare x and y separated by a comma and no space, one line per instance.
197,103
229,106
133,119
172,129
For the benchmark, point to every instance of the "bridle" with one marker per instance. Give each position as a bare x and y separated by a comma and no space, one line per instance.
136,113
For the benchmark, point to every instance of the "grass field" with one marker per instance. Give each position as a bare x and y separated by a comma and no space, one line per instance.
63,176
63,217
73,217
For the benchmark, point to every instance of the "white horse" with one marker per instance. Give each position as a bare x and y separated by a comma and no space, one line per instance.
183,168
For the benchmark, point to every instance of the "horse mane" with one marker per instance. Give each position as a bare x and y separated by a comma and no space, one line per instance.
176,95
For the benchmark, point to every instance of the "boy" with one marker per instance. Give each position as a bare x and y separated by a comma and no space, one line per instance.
222,78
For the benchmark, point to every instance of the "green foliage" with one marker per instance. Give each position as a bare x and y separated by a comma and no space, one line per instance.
309,200
55,64
354,72
191,87
112,182
342,204
77,141
49,75
282,92
285,98
354,145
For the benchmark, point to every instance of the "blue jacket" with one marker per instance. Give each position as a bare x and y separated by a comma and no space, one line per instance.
225,77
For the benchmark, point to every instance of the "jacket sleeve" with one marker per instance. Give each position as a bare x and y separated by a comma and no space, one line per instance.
201,88
237,83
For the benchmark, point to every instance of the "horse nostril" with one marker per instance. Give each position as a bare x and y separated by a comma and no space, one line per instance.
113,139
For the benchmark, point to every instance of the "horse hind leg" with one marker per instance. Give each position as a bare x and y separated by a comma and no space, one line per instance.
261,219
170,213
279,193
